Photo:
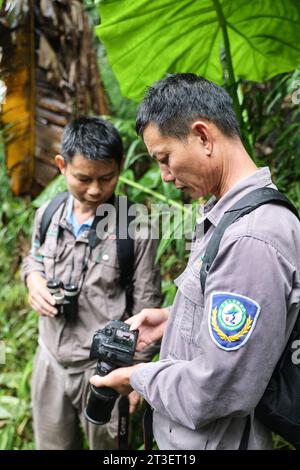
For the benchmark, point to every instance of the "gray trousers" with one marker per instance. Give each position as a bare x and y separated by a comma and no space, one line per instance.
59,396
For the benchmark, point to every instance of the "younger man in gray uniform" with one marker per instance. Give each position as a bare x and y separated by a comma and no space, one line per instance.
91,158
219,349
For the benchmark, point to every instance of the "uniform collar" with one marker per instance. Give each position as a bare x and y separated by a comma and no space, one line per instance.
214,209
65,219
77,228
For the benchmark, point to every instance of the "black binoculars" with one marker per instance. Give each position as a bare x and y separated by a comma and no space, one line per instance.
66,298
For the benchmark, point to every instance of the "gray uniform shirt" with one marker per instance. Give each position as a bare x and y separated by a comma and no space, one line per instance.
202,391
101,299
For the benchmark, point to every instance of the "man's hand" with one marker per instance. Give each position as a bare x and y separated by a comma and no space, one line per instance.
118,379
151,324
134,401
39,297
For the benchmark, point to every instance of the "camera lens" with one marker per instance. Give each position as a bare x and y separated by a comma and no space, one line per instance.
100,404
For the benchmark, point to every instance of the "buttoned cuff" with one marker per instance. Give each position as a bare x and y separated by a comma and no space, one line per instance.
140,377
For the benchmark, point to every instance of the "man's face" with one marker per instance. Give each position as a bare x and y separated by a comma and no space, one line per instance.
185,163
91,182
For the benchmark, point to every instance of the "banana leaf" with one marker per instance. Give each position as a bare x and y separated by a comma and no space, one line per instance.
49,67
145,39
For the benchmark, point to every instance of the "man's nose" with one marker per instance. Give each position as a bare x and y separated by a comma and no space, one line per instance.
166,174
95,189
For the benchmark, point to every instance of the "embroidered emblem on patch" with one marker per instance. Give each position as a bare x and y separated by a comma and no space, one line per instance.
232,319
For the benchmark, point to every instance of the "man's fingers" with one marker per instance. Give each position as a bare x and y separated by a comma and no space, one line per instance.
134,400
134,323
98,381
46,307
40,305
137,320
142,345
47,296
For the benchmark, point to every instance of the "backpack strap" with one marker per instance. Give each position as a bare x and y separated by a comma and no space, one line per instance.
125,253
49,212
125,246
245,205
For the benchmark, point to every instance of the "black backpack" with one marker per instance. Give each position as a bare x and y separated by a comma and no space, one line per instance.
279,407
125,246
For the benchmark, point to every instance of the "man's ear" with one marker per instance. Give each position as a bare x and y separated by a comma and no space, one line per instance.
60,163
202,130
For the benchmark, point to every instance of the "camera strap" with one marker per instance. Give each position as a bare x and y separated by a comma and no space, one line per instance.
123,425
148,427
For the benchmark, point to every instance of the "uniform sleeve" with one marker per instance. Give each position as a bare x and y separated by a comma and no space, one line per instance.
252,281
33,262
147,286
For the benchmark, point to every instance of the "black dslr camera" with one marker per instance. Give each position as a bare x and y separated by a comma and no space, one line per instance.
66,298
114,347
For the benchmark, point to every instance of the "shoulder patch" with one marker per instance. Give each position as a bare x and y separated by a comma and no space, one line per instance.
232,319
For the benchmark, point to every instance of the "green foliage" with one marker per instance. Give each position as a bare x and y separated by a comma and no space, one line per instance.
56,186
121,107
18,324
273,114
145,40
15,213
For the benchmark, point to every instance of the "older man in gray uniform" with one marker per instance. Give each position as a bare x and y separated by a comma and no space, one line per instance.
208,381
91,159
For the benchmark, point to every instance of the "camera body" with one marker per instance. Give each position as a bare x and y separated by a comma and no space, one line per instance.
66,298
113,346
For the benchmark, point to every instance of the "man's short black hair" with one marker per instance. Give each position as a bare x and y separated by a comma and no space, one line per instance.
174,102
93,138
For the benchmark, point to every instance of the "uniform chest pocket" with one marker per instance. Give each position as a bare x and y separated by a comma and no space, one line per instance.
190,313
105,269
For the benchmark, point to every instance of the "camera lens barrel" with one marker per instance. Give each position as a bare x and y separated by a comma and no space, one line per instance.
100,404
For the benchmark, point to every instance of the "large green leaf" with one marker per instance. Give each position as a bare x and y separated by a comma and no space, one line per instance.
145,39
